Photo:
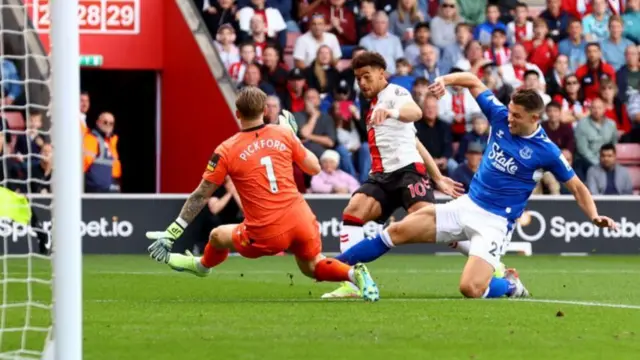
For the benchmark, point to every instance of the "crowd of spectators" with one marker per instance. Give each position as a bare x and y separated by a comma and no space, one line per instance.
580,55
26,152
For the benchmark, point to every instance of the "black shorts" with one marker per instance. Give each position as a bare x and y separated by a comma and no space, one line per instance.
401,188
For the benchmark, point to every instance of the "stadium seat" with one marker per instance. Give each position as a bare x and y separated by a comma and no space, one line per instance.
634,172
15,120
628,154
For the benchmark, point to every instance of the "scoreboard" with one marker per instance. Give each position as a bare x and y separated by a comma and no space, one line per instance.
104,17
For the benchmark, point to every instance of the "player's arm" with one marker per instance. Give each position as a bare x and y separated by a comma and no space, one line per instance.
560,168
462,79
212,178
305,159
400,106
310,163
445,184
585,201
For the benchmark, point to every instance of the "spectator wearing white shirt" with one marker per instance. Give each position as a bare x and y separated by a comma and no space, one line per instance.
272,18
513,72
383,42
458,107
225,39
306,47
532,82
520,29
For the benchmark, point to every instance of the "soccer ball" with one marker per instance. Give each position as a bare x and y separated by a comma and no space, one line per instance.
286,120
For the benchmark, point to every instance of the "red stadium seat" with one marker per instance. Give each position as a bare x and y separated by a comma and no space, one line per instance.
634,172
628,154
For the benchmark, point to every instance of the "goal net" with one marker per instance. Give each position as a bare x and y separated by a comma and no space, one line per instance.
30,133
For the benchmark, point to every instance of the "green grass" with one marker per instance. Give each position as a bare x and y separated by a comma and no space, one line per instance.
137,309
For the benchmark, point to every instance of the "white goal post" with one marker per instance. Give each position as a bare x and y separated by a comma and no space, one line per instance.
67,181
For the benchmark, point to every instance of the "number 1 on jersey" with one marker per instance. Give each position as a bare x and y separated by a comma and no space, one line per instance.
266,162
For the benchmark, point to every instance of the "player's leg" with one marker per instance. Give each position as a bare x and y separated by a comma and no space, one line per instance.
215,252
489,235
363,206
328,269
418,227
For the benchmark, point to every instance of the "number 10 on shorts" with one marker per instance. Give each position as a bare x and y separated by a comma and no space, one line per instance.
419,189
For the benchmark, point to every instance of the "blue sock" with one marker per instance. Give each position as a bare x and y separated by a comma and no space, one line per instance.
365,251
499,287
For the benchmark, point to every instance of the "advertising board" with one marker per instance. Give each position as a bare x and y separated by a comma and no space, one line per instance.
551,225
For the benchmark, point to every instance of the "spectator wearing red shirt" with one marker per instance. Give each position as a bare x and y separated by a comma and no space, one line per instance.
364,22
247,56
542,50
273,71
571,100
615,109
340,20
498,52
560,133
594,71
293,98
259,36
577,8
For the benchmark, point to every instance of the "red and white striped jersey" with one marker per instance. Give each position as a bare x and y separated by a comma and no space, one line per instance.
393,143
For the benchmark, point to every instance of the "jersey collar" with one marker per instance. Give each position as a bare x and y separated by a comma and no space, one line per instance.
254,128
534,133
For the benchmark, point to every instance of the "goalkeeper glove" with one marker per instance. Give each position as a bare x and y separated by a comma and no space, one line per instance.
161,247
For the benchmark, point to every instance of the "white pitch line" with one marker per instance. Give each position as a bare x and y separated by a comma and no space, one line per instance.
394,300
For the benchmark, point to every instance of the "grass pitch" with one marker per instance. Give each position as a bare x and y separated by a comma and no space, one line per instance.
134,308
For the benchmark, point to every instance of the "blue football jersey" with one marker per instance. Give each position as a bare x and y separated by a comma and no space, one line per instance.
512,165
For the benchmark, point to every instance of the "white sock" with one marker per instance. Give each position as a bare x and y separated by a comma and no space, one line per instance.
349,236
386,239
352,277
462,246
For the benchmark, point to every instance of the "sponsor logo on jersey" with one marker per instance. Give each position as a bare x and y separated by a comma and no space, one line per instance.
502,162
526,152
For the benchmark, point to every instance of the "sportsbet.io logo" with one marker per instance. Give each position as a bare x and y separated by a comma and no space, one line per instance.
101,228
533,226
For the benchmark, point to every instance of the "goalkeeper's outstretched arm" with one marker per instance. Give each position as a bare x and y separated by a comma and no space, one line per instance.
196,201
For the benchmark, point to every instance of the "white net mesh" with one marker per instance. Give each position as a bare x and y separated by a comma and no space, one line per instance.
25,168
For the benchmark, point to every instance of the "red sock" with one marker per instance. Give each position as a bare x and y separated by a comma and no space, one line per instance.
213,256
332,270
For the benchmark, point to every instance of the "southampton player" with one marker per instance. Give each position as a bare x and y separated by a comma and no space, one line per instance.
399,163
259,160
518,153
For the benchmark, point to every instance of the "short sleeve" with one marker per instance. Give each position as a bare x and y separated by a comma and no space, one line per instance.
217,167
559,166
398,97
492,108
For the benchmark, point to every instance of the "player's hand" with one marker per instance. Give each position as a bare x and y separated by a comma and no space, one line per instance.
379,116
450,187
159,250
605,222
438,88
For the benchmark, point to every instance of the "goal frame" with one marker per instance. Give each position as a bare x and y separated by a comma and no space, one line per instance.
67,180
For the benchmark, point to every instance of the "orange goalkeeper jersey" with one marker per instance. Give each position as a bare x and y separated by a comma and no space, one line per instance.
260,163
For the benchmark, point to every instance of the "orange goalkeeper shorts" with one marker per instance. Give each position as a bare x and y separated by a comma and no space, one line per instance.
302,240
